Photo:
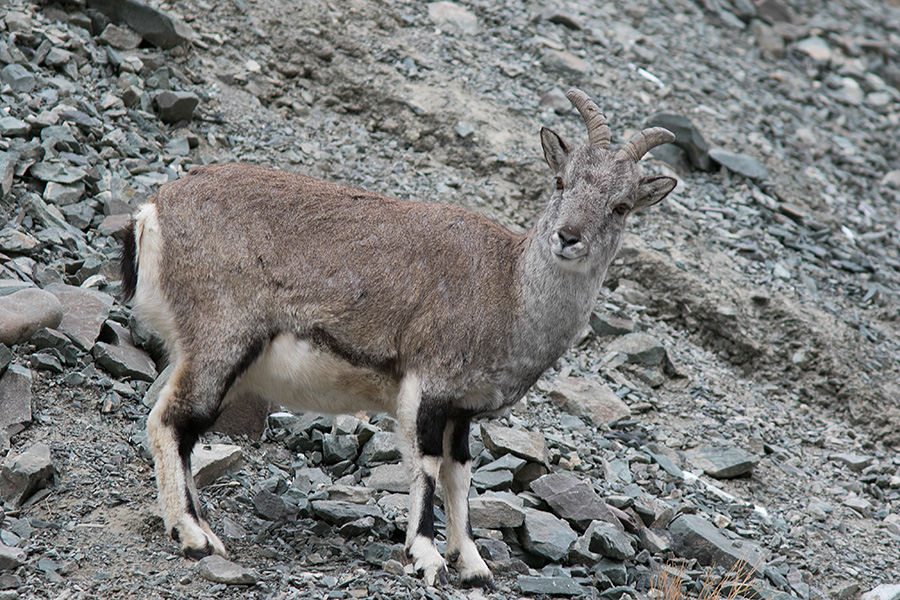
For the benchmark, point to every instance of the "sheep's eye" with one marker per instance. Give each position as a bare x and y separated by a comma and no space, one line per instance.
559,184
621,209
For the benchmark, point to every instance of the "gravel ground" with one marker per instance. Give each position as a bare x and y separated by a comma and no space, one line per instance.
767,286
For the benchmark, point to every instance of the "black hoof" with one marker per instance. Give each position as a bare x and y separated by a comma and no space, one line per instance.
198,553
479,581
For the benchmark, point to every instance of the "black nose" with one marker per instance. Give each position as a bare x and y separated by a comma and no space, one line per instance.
568,237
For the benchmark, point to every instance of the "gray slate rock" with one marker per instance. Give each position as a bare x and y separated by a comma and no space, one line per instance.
573,500
340,512
12,127
122,38
125,361
610,541
211,461
382,447
15,399
687,137
500,440
174,107
452,16
339,448
603,325
565,62
724,463
57,172
389,478
742,164
25,312
883,592
17,242
855,462
492,480
586,398
494,512
152,24
20,79
25,474
640,348
546,535
84,313
220,570
550,586
11,558
695,537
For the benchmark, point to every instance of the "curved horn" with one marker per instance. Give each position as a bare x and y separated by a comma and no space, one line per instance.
598,130
642,142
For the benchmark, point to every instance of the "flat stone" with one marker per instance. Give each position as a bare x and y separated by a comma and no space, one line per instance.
154,25
119,37
573,500
695,537
382,447
493,512
272,507
640,348
724,463
14,241
609,541
15,399
59,194
339,448
57,57
518,442
586,398
13,127
494,550
546,535
18,22
25,312
390,478
211,461
492,480
816,48
20,79
605,324
221,570
742,164
565,62
452,16
25,474
175,107
883,592
60,173
11,558
113,224
8,162
687,137
767,38
855,462
551,586
84,313
340,512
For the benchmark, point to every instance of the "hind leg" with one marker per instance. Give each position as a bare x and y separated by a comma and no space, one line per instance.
456,477
181,414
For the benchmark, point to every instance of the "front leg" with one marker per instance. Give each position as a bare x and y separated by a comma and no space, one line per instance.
456,477
422,420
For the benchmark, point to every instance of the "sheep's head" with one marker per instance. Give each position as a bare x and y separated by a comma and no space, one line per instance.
596,188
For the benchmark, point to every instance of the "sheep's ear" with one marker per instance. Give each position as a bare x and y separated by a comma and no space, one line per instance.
653,189
556,150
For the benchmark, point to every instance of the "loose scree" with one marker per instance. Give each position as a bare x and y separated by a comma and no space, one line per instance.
324,297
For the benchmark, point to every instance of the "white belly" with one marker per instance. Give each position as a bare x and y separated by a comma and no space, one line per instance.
293,374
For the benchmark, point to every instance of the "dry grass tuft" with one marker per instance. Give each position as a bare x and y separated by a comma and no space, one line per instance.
669,578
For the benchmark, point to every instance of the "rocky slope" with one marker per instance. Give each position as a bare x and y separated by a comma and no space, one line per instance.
736,396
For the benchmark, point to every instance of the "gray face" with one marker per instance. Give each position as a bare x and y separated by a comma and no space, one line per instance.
595,191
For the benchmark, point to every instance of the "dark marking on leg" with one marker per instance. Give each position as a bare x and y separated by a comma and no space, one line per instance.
198,553
426,517
459,441
431,420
